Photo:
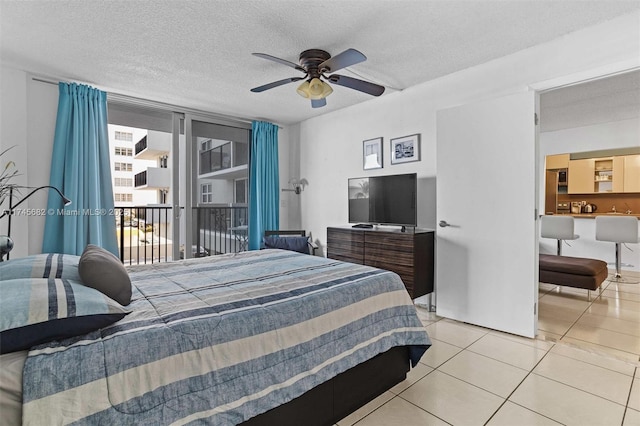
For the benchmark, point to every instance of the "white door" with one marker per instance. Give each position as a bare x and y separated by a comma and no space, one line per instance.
487,238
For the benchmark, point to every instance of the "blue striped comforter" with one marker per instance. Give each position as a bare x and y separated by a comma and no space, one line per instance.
221,339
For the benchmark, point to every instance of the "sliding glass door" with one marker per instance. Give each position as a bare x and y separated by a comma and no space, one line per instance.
144,143
217,160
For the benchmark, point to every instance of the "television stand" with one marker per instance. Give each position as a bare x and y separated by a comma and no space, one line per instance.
409,254
363,226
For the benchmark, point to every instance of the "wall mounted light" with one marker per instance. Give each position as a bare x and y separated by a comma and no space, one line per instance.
297,185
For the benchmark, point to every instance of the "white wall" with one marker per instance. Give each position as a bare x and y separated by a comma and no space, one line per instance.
13,133
27,120
331,145
616,134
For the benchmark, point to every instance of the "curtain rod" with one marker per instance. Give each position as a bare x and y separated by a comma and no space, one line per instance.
131,100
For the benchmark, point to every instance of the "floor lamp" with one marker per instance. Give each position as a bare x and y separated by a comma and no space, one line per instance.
7,244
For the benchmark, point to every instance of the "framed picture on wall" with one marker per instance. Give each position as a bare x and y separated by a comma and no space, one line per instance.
405,149
372,154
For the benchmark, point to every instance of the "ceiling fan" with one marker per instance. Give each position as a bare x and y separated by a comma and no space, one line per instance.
316,64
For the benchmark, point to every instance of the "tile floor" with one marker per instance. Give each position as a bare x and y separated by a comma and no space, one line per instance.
583,368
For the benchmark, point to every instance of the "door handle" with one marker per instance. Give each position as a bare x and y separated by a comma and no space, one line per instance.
443,224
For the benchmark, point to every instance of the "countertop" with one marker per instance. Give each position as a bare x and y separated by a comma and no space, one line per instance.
594,215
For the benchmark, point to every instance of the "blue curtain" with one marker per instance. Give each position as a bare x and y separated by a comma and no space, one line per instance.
264,182
80,168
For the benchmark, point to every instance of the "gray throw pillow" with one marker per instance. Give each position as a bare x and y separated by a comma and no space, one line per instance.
103,271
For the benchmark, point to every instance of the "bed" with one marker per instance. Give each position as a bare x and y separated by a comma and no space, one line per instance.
249,338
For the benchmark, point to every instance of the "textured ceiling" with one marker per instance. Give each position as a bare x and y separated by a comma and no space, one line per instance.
197,54
599,101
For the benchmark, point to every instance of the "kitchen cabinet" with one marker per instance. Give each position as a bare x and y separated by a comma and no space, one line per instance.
580,176
597,175
559,161
603,175
618,174
631,172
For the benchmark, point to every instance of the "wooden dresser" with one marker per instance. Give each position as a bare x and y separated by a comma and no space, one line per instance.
409,254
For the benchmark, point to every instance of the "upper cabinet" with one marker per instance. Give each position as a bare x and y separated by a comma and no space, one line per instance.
559,161
609,174
580,176
618,174
631,173
610,171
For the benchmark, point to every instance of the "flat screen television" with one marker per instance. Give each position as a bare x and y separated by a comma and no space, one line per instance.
384,200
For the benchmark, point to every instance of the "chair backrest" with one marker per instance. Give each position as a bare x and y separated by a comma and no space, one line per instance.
557,227
301,233
295,240
617,229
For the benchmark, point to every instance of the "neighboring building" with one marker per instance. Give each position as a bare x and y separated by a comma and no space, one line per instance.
141,183
152,175
122,142
222,172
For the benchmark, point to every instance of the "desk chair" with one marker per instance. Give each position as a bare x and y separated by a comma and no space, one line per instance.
559,228
295,240
617,229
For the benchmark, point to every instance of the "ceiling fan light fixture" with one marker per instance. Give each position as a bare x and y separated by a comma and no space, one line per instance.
326,90
314,89
303,89
314,63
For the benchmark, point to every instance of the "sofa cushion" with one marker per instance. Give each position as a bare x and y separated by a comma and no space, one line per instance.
572,265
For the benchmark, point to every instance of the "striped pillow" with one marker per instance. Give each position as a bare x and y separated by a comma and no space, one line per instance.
46,265
39,310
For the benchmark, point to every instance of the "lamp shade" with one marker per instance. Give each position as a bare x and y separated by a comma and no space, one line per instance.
303,89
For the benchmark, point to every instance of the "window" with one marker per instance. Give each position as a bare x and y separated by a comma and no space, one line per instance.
207,193
124,136
122,182
123,167
240,190
206,145
123,198
119,150
163,196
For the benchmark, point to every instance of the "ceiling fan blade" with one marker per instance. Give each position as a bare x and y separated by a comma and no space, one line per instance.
342,60
276,84
280,61
318,103
354,83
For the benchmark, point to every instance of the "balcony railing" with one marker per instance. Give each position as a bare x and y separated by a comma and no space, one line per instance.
220,229
144,233
140,179
141,145
215,159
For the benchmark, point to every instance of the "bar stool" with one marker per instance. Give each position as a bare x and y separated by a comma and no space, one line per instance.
617,229
559,228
